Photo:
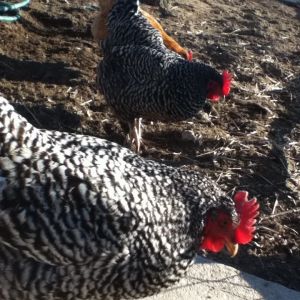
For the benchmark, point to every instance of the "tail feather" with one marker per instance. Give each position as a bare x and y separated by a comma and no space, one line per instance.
15,131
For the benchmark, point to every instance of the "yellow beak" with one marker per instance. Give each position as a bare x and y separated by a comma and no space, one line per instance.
232,248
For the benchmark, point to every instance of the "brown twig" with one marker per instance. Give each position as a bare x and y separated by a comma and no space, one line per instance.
267,229
275,206
281,214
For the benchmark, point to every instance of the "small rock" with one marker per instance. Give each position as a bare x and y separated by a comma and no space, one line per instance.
190,136
203,117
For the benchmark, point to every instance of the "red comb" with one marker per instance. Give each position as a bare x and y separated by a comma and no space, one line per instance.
248,210
189,55
226,76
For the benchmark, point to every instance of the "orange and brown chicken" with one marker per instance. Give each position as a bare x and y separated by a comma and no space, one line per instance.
100,31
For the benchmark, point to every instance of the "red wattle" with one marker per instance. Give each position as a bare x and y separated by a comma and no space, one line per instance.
213,245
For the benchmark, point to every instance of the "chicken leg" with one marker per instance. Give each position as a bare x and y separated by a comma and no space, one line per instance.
135,133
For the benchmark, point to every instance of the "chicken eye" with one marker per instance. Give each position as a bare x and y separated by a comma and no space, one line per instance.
223,223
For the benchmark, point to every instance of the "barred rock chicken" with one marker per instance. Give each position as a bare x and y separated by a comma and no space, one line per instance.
141,78
100,32
83,218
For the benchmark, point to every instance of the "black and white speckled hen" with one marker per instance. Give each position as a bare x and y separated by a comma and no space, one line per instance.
141,78
83,218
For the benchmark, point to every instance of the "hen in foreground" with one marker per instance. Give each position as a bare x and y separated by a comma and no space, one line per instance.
141,78
82,218
100,32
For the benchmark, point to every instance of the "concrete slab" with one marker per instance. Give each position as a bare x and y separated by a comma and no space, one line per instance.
210,280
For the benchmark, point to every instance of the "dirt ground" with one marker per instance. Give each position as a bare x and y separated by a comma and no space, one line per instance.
249,141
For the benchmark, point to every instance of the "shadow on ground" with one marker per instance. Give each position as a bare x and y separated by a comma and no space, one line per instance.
52,24
47,72
54,118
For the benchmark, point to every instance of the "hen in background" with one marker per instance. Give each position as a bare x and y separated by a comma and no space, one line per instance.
141,78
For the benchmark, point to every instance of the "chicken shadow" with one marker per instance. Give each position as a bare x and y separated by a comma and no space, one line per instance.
50,24
274,169
46,72
283,127
56,118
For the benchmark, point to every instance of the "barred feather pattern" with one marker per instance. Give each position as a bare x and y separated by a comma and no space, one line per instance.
140,77
82,218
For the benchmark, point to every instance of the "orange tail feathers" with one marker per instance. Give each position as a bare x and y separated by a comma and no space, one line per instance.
168,41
